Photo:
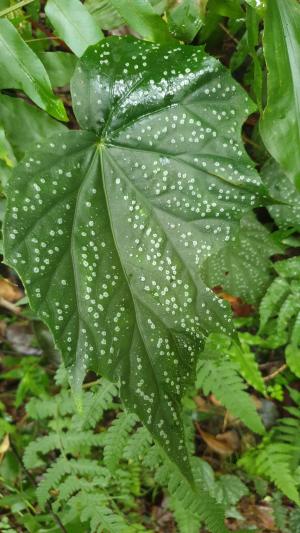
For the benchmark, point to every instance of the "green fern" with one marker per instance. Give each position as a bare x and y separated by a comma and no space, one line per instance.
41,446
199,501
218,375
272,460
280,513
280,310
138,444
243,356
294,523
51,479
95,403
278,456
92,509
116,438
187,521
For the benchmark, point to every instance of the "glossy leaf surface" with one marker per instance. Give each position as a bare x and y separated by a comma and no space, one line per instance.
21,69
74,24
280,124
113,224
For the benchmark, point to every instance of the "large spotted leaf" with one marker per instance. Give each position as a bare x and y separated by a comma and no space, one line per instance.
108,227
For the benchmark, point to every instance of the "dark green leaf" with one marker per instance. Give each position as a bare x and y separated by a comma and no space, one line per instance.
243,267
280,123
110,227
22,69
142,18
74,24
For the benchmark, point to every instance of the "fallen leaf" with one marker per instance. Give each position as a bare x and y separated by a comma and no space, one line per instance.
237,305
4,447
223,444
9,291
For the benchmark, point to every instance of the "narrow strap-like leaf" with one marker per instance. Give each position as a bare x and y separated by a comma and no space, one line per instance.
21,69
74,24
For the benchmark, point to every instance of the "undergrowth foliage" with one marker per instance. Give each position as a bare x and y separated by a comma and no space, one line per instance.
97,477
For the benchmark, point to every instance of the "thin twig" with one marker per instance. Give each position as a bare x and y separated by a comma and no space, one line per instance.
249,141
48,505
91,384
232,37
275,373
9,306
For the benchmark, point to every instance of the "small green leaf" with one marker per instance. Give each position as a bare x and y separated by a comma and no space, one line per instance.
142,18
259,5
6,151
60,67
73,24
226,8
184,20
22,69
104,13
34,125
120,218
280,123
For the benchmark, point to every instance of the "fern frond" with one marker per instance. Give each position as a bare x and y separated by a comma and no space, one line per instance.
280,512
70,486
248,366
81,441
90,468
272,300
116,439
93,508
295,521
273,461
61,376
40,409
288,310
95,403
221,378
288,268
187,521
41,446
137,444
198,501
51,479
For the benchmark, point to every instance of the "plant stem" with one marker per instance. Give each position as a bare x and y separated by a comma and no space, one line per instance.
10,9
275,373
